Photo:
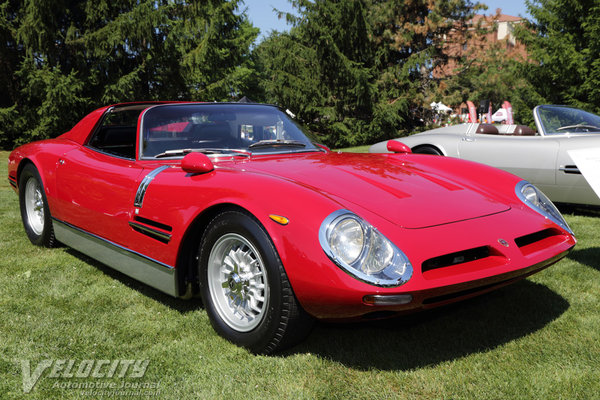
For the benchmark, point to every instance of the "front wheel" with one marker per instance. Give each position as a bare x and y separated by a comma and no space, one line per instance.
35,213
244,287
427,150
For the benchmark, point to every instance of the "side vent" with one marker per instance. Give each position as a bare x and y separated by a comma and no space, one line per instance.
12,180
153,229
155,224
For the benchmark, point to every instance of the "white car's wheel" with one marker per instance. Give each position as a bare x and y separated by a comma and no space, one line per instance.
425,149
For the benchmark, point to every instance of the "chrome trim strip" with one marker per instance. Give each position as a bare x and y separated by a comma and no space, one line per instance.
138,266
141,191
153,233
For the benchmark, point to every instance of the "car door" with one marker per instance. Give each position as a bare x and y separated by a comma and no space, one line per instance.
571,185
97,182
531,157
97,192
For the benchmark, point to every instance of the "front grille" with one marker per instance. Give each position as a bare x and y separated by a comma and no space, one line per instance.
460,257
534,237
539,240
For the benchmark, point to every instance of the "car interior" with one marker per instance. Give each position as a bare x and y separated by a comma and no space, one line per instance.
508,130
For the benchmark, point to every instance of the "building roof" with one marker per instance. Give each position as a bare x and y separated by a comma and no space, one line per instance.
498,17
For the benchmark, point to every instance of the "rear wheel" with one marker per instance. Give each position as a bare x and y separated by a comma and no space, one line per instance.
427,150
35,213
244,287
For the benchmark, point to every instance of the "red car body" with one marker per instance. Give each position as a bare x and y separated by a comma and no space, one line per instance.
460,224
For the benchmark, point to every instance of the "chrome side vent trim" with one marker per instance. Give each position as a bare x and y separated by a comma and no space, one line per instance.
151,232
153,223
141,191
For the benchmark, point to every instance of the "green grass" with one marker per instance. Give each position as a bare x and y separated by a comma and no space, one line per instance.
357,149
537,339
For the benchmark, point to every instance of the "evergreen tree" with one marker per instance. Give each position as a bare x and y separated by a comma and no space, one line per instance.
62,58
562,41
321,69
358,71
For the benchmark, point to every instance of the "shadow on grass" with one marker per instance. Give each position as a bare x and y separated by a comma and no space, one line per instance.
444,334
180,305
419,340
589,256
579,209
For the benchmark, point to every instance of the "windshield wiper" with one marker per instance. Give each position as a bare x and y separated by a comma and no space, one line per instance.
578,126
176,152
276,143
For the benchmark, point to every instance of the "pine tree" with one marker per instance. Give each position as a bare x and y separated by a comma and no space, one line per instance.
62,58
358,71
321,69
562,41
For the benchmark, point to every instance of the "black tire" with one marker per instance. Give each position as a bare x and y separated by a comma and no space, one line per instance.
427,150
35,213
236,241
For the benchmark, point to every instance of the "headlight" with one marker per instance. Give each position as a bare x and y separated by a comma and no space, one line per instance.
359,249
535,199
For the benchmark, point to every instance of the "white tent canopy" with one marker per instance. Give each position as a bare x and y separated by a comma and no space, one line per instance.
440,107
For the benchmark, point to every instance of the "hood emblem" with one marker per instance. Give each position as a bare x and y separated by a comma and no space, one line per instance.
503,242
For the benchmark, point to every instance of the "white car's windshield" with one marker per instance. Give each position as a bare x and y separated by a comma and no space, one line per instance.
557,120
173,130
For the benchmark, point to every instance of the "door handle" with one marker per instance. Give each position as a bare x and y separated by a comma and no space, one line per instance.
570,169
468,139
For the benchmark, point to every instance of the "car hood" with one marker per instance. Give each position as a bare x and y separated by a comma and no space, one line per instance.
406,192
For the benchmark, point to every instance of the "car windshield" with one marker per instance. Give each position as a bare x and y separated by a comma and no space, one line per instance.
557,120
172,130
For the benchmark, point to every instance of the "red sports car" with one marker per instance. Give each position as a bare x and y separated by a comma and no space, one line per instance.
235,203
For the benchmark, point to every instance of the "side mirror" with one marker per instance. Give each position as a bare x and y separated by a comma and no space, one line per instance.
398,147
196,163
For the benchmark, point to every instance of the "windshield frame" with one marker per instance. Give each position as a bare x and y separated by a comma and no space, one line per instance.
543,128
311,145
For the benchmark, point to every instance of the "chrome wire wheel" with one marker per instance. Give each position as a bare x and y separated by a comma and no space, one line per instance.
34,206
237,282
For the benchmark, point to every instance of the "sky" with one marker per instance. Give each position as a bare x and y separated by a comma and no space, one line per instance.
261,14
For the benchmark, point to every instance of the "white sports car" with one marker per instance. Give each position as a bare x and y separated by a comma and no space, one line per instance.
540,157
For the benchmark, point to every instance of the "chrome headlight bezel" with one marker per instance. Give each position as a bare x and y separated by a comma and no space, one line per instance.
538,201
379,262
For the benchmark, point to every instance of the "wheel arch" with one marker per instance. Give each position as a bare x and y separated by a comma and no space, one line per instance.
187,253
435,147
22,163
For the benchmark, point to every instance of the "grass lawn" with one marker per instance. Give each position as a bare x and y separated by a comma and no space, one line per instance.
357,149
537,339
